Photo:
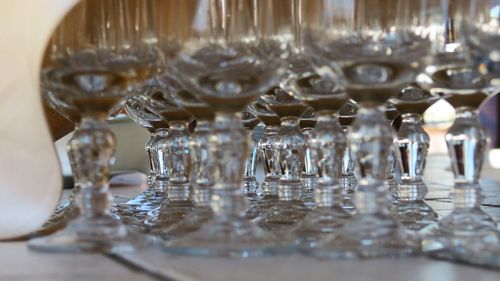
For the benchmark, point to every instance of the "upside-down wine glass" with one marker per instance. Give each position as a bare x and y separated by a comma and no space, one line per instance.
469,42
372,48
412,143
227,62
90,66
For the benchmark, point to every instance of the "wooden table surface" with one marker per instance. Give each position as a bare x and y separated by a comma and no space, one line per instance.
18,263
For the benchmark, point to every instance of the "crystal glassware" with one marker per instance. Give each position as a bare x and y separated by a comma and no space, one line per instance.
250,184
202,171
347,115
371,49
290,208
134,211
307,123
412,143
392,173
268,146
227,60
92,58
462,71
177,158
327,144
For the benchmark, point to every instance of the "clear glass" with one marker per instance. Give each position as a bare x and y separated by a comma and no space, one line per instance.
250,184
371,49
92,59
177,159
465,81
412,143
229,52
290,208
347,114
268,146
134,211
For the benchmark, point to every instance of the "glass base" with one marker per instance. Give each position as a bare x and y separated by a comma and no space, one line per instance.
234,237
461,231
348,182
62,215
189,224
368,236
347,201
134,212
282,216
414,215
318,224
169,213
261,206
91,235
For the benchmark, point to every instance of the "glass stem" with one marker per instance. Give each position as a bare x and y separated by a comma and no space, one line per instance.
250,184
270,150
161,153
292,150
228,146
93,145
310,168
153,162
348,181
202,171
178,161
466,141
413,144
327,144
371,141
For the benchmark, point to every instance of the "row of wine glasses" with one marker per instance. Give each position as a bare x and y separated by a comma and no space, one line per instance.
320,86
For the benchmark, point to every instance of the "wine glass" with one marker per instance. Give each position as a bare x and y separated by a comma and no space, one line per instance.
371,49
412,143
307,123
93,57
202,170
465,78
326,143
250,184
227,61
268,146
347,115
392,174
176,157
290,208
134,211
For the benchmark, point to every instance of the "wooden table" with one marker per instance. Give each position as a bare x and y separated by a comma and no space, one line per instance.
18,263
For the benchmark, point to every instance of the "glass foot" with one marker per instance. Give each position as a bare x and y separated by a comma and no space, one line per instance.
261,206
235,237
190,223
169,213
368,236
91,235
282,216
318,224
464,230
63,214
414,215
